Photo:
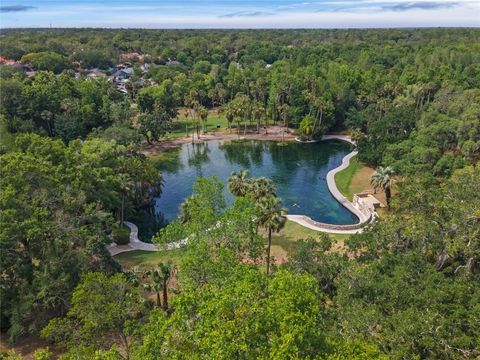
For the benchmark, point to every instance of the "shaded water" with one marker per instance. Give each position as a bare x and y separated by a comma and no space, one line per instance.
298,170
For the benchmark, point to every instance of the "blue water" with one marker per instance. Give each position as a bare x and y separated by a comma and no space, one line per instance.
298,170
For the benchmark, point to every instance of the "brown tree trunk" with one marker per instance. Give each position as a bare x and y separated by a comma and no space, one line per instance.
158,300
165,295
122,212
388,195
268,249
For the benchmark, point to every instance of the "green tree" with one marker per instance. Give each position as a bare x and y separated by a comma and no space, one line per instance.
47,60
203,113
259,312
159,280
272,218
382,178
103,312
238,183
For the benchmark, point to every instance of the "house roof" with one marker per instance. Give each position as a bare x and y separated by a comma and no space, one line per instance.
6,61
96,72
127,71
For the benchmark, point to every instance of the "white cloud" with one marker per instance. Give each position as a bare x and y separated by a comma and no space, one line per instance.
307,14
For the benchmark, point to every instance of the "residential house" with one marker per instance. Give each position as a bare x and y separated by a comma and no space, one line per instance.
122,74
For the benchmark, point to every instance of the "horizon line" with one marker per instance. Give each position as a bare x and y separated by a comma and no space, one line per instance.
237,28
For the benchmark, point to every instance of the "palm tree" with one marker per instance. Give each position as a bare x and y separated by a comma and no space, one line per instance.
133,276
240,103
155,284
47,116
191,100
229,112
322,106
160,279
284,110
238,183
262,187
307,126
203,113
382,178
272,217
186,113
356,135
258,112
126,187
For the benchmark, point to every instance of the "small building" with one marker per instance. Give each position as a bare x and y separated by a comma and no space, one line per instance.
122,74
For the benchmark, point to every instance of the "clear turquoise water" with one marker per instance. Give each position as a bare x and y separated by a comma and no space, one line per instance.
298,170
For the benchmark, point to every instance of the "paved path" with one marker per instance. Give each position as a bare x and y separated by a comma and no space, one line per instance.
332,187
136,244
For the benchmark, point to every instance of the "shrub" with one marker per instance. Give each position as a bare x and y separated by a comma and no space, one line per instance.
121,236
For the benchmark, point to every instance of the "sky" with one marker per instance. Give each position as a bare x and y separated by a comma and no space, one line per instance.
239,13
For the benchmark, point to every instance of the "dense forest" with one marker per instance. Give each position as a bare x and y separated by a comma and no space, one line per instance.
408,287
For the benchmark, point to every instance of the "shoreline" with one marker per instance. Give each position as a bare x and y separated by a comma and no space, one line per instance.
363,218
273,133
303,220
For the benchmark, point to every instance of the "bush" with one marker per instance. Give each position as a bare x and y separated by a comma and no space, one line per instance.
121,236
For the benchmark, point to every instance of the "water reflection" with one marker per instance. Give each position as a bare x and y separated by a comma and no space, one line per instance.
244,152
298,170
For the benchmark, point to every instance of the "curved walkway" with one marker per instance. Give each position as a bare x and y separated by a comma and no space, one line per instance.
136,244
364,219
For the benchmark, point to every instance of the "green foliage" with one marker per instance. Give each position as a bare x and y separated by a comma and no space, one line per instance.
409,288
103,311
58,105
311,257
159,281
90,353
307,127
43,354
408,309
47,60
121,235
344,178
248,315
56,205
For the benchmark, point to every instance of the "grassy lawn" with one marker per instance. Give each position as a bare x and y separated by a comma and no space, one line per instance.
148,259
283,243
344,178
356,179
286,240
179,127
